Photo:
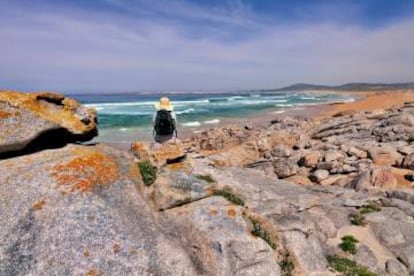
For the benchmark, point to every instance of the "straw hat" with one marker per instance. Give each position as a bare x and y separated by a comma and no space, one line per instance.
164,104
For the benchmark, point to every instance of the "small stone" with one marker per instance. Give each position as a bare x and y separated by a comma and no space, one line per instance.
319,175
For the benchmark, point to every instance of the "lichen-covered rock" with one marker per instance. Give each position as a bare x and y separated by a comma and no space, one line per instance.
159,154
42,120
76,210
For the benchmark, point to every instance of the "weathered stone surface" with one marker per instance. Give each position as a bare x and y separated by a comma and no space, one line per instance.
159,154
281,151
43,120
384,156
382,177
284,168
77,211
319,175
234,250
311,159
394,267
408,162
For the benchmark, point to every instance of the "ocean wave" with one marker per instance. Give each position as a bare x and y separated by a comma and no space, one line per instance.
191,124
279,112
185,111
214,121
145,103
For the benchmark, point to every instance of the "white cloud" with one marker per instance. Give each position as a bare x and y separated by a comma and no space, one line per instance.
76,50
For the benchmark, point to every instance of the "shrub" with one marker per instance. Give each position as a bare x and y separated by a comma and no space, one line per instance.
260,232
206,177
372,206
286,265
349,244
229,196
148,172
358,219
348,267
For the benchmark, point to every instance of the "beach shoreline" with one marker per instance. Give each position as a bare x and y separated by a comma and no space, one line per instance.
364,101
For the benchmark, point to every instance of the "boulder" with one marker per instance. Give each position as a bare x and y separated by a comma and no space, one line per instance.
284,168
310,159
37,121
383,156
383,177
281,151
159,154
334,155
319,175
394,267
76,211
408,161
360,154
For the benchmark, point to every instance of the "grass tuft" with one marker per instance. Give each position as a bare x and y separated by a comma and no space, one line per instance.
229,196
358,219
206,177
349,244
286,265
371,207
260,232
348,267
148,172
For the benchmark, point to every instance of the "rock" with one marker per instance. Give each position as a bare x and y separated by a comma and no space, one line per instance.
406,150
175,187
366,257
319,175
299,179
281,151
333,155
338,180
384,156
220,138
362,182
38,121
311,159
159,154
76,210
394,267
234,250
382,177
284,168
361,154
408,162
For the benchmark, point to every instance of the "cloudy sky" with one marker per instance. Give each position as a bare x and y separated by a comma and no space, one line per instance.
138,45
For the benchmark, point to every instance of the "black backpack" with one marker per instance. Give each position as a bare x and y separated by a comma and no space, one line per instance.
164,123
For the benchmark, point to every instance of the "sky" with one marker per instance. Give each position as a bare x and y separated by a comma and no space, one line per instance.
108,46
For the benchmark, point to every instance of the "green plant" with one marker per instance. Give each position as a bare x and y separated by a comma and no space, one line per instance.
148,172
286,265
348,267
229,196
206,177
349,244
358,219
260,232
372,206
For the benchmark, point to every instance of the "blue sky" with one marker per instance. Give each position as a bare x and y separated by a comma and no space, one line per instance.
139,45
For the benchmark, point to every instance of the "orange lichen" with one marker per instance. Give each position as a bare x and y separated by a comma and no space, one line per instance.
4,114
86,253
117,248
62,115
231,212
213,212
86,171
92,272
38,205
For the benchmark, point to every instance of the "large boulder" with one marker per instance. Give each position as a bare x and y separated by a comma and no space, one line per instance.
42,120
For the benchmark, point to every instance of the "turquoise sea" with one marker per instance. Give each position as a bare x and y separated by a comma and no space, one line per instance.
124,115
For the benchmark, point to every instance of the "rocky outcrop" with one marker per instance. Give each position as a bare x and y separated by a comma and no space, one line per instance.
42,120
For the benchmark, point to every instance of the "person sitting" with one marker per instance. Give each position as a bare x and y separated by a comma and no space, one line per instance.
164,121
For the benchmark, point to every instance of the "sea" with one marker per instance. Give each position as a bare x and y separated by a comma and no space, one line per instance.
123,117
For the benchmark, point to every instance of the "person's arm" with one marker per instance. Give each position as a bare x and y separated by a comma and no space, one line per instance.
154,115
